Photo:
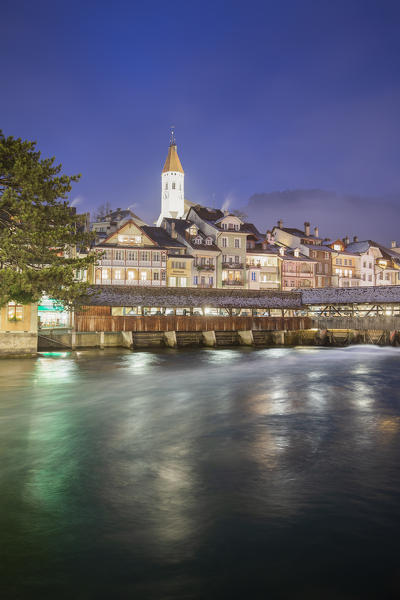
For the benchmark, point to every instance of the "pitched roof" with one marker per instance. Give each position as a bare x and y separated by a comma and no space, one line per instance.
115,295
297,232
251,228
161,237
362,294
181,227
208,214
172,162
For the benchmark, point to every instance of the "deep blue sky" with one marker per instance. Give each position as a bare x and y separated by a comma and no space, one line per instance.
265,96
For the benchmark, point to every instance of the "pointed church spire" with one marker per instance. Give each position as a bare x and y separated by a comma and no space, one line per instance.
172,184
172,162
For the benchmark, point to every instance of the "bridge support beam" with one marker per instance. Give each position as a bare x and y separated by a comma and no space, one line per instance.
208,338
278,338
246,338
126,339
169,338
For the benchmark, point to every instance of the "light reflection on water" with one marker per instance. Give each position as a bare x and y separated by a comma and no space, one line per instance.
201,473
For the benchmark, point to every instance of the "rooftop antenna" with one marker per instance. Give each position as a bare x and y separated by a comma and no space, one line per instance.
172,140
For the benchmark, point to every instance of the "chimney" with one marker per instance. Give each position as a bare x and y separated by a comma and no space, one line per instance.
280,223
307,228
393,244
281,251
316,231
355,238
346,240
174,235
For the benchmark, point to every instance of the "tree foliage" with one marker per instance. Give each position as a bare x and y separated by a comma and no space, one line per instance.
43,243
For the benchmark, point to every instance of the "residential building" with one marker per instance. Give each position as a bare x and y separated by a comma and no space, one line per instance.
229,234
368,256
18,329
263,261
132,257
112,222
310,245
298,270
345,265
200,246
179,262
386,262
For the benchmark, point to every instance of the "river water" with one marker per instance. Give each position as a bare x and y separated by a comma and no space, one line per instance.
230,473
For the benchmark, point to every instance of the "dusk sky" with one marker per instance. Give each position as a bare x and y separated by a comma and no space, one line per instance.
265,96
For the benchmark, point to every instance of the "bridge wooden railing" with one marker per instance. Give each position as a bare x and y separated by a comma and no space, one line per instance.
189,323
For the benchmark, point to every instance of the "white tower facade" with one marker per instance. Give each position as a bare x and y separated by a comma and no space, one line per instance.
172,186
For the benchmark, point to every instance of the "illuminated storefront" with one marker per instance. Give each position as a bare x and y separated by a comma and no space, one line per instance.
51,314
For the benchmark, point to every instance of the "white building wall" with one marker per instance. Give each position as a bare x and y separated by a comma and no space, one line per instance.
172,196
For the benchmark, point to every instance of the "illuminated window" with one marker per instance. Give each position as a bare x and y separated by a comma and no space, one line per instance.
131,255
118,274
143,275
15,311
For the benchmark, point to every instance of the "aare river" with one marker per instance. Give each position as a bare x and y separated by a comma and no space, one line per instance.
230,473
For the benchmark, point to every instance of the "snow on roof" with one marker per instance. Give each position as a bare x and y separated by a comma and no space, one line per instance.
358,295
113,295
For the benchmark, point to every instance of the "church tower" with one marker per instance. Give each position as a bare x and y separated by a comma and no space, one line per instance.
172,185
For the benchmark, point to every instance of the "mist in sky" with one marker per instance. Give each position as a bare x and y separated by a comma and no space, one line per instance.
265,96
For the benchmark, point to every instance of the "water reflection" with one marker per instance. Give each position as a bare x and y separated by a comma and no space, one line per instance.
181,474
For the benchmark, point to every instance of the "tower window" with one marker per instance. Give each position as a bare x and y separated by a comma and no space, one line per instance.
166,185
173,185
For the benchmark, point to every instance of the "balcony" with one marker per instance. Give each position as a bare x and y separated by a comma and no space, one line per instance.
233,283
232,265
205,267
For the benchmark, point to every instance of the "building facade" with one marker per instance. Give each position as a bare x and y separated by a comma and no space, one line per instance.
228,234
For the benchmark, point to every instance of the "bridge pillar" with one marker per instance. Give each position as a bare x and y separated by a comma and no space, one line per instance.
126,339
208,338
278,338
101,340
246,338
169,338
73,340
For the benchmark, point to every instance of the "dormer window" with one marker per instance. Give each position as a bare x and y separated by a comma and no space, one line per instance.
224,225
208,241
237,227
197,240
193,230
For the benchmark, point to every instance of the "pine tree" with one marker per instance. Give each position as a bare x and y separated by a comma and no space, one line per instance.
41,236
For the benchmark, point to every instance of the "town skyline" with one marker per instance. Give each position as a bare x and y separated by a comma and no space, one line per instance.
309,101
